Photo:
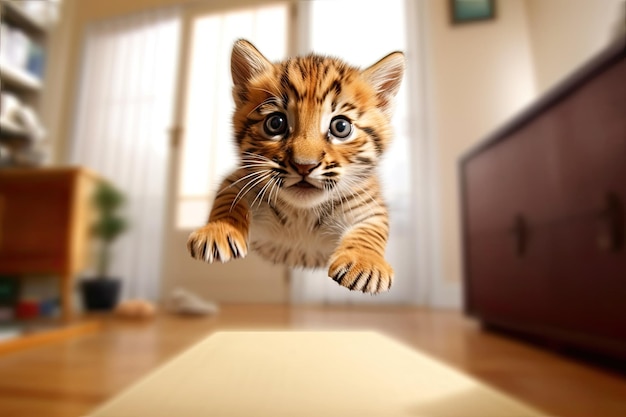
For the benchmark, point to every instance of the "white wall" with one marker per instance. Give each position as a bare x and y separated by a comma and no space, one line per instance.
480,74
565,33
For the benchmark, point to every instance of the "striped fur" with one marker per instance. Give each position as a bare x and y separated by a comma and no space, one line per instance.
303,195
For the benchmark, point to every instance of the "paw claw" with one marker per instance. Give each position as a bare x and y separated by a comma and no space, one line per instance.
217,241
368,273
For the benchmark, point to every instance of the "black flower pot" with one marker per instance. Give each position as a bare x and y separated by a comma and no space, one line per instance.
100,294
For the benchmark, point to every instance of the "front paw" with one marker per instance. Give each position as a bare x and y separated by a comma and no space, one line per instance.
359,271
217,241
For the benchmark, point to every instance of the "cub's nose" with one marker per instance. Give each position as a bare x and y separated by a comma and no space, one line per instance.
304,169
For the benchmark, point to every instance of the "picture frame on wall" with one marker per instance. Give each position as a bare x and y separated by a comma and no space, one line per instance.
469,11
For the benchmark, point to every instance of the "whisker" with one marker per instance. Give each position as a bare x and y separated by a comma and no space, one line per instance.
252,157
369,195
255,165
256,155
342,197
269,196
256,174
241,179
279,184
250,185
352,184
328,189
262,191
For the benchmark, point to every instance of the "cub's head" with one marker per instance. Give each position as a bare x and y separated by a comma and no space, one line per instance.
311,128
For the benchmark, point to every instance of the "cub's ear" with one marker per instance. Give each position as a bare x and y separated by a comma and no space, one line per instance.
385,77
246,62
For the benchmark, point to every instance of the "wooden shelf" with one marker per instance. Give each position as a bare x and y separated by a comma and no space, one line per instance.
18,77
27,27
32,244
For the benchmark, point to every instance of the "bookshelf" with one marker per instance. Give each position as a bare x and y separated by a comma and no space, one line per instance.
25,29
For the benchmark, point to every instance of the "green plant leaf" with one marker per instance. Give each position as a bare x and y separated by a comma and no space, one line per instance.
107,198
109,225
109,228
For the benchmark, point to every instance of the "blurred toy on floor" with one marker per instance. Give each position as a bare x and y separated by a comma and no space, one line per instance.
135,309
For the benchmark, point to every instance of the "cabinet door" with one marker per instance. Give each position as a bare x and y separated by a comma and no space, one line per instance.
509,189
592,140
34,224
589,277
588,285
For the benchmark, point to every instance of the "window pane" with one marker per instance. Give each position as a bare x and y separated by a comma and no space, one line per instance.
192,213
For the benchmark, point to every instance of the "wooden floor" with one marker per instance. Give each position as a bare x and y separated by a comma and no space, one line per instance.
71,377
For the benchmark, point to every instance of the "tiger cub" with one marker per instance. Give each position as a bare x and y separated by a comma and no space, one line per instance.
310,132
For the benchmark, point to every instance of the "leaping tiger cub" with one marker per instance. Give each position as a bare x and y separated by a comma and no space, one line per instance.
310,132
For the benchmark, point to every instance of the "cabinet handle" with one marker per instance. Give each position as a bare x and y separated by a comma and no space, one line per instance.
520,234
610,236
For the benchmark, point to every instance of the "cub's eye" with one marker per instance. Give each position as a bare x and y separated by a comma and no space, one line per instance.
340,127
275,124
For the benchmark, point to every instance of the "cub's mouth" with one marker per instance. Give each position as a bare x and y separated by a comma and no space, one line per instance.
303,185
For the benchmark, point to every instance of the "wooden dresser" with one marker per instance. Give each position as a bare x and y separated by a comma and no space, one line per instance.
543,209
45,215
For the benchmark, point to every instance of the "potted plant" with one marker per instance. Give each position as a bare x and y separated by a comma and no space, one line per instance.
102,292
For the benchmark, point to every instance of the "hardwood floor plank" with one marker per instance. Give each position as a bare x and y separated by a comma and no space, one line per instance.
71,377
49,335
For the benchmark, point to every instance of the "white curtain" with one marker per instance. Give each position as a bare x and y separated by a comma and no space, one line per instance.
123,114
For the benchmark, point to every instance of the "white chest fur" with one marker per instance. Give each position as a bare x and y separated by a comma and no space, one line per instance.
294,237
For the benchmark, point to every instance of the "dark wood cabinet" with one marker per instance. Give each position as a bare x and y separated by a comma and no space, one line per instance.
543,209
